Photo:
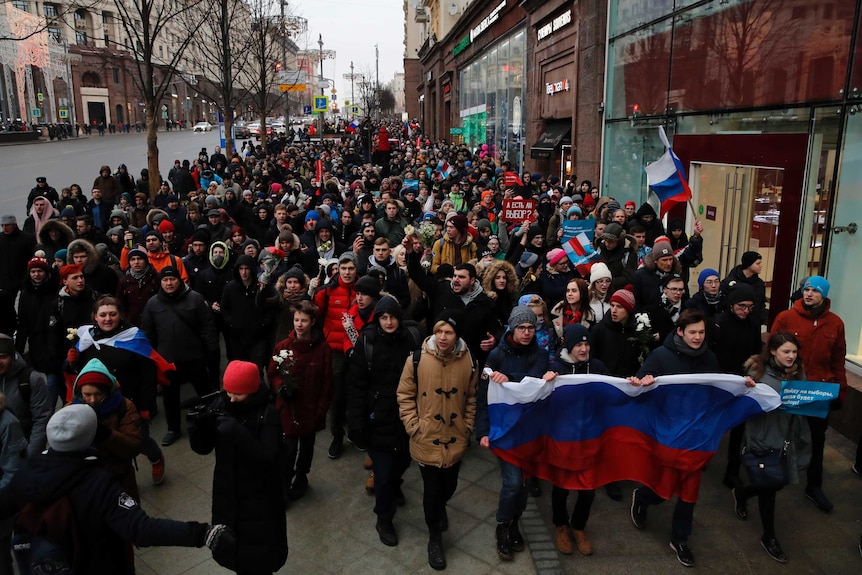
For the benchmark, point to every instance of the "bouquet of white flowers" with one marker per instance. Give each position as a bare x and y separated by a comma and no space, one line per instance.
643,337
285,362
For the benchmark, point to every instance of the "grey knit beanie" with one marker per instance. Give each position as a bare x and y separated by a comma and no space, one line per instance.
520,315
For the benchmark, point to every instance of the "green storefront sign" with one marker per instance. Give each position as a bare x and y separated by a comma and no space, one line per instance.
456,131
461,46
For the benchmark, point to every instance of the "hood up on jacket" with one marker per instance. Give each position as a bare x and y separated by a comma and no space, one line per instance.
93,256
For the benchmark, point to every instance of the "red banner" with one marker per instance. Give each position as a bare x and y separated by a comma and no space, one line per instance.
318,165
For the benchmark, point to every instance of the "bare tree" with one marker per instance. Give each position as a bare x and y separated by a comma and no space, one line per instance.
387,100
220,50
264,50
147,24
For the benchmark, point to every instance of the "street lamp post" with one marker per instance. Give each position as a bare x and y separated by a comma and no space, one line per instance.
322,90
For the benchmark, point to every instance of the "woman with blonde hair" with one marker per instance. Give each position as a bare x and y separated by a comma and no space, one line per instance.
600,283
575,307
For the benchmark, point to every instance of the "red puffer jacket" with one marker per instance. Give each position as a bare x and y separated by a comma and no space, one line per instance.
334,300
822,342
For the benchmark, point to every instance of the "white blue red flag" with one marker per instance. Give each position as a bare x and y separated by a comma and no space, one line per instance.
584,431
444,169
352,127
131,339
581,252
666,177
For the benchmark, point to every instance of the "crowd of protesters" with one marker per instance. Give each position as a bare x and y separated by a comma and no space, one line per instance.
373,286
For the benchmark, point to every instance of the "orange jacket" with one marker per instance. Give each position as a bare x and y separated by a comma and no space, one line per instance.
158,261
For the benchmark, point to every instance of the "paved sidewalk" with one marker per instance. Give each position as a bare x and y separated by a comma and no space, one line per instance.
331,530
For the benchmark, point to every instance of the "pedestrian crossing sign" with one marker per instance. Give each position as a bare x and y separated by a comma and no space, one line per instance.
321,104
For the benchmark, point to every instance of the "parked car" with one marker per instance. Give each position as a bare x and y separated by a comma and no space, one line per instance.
279,128
203,127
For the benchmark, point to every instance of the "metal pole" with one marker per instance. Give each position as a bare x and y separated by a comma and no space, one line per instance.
322,91
352,99
377,78
284,59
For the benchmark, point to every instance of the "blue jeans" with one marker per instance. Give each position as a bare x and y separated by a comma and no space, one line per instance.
56,388
513,493
683,513
149,447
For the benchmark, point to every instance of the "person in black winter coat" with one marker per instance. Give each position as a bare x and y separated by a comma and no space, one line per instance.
684,351
210,283
748,272
464,292
249,311
372,407
709,299
179,326
16,249
31,407
736,338
243,427
574,358
646,217
34,306
612,337
647,281
107,519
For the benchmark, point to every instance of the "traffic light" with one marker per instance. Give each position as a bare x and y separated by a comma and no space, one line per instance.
636,111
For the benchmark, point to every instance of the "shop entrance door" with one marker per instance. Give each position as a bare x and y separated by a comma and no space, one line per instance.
741,205
747,191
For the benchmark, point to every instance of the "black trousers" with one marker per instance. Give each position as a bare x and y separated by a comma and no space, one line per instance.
734,446
191,371
338,407
765,504
581,512
438,485
298,454
389,468
818,443
683,513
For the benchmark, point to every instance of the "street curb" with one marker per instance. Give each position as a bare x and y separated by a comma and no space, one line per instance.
542,551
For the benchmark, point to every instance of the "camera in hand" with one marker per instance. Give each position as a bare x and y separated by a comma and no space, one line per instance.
204,407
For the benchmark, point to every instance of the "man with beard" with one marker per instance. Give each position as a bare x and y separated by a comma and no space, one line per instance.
396,280
138,285
196,261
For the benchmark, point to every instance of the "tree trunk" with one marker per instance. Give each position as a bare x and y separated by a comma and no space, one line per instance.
153,149
263,130
228,134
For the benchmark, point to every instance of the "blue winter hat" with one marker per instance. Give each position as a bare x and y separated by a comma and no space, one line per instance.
60,255
312,215
818,283
574,210
701,278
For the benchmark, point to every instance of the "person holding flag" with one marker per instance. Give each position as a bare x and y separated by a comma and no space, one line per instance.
666,179
131,360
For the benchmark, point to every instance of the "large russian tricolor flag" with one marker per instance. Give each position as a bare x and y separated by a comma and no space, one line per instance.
131,339
666,177
584,431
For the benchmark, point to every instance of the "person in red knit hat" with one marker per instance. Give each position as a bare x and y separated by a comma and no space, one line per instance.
243,427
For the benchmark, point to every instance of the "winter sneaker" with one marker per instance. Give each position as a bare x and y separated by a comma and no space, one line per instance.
816,496
504,543
336,448
614,491
299,487
857,469
171,437
740,506
159,471
386,531
583,543
515,536
638,511
563,540
773,549
683,553
436,558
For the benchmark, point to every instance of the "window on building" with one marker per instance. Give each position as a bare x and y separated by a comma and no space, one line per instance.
106,17
80,37
116,73
161,52
21,5
55,32
50,10
107,40
80,15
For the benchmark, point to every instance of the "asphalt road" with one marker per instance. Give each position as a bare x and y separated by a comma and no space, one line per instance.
77,161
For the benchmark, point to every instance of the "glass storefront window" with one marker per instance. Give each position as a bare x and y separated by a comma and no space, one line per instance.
749,53
629,14
489,87
856,73
638,72
627,150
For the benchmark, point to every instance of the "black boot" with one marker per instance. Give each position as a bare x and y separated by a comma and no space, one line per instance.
504,543
614,491
299,487
436,558
515,536
386,531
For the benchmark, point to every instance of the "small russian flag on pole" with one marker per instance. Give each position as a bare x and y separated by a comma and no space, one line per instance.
580,252
666,177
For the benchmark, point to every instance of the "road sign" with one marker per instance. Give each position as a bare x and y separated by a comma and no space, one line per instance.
64,113
37,112
334,97
40,97
456,131
321,104
354,109
306,110
291,88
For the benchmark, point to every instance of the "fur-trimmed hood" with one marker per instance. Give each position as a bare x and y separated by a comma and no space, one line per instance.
649,263
65,231
92,261
153,213
490,273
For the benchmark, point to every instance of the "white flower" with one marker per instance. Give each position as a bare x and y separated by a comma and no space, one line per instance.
71,333
283,353
277,359
426,264
409,230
